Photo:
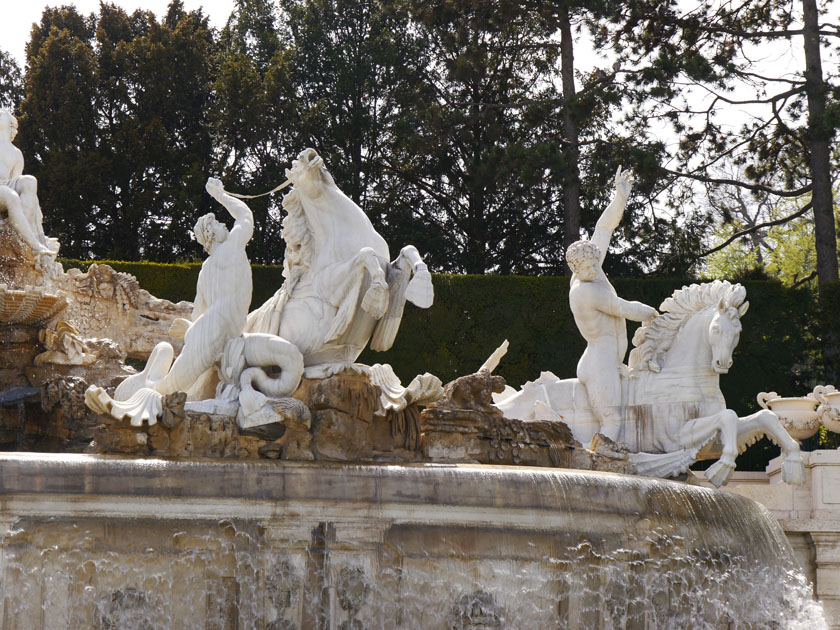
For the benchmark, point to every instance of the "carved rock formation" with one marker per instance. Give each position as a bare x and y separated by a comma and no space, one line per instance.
109,304
465,426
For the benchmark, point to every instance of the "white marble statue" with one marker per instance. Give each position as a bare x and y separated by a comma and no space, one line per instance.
19,192
601,316
665,408
223,295
340,290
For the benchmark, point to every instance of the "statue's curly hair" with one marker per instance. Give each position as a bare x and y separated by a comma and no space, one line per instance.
203,229
580,251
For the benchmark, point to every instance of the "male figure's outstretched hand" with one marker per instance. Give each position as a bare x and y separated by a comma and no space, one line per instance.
214,187
623,183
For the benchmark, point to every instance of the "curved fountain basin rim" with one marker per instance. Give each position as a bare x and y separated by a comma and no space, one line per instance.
472,486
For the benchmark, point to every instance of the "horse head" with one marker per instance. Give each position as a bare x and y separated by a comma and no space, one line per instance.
725,328
698,323
308,174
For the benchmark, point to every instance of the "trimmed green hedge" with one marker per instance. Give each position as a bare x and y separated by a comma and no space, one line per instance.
780,348
472,315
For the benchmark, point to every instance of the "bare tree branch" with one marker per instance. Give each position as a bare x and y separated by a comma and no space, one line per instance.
758,226
734,182
772,79
802,281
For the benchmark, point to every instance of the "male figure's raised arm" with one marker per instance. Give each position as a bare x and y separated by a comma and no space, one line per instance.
611,217
243,228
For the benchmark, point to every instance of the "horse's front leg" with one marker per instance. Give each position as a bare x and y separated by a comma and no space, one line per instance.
695,433
765,422
419,291
375,300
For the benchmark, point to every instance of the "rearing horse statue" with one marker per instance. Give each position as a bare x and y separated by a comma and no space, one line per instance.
673,412
340,289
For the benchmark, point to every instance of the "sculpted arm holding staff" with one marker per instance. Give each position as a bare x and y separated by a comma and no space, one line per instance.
601,316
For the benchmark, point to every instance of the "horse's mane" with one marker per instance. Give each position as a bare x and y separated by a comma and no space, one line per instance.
296,231
653,340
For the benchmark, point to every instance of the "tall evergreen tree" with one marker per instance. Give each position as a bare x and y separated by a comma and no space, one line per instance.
11,81
254,116
115,126
349,60
478,141
58,129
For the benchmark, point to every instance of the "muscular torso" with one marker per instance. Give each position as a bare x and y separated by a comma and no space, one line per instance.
224,286
607,333
11,161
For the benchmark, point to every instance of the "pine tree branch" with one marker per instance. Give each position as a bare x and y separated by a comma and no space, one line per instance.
752,34
758,226
755,75
759,101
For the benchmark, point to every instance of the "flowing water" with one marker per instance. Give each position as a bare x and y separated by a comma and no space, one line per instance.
366,547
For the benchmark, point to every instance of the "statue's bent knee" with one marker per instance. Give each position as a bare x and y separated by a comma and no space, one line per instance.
27,184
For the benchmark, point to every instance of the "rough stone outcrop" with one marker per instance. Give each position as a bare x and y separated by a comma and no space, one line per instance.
465,426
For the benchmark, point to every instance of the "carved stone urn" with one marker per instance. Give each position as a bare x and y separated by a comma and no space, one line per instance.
829,409
798,415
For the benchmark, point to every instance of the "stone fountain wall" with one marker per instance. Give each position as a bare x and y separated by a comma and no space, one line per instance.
106,542
809,515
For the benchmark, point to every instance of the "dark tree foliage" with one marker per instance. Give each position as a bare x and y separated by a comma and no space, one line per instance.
115,126
477,145
251,120
351,63
58,130
505,160
462,126
11,81
313,73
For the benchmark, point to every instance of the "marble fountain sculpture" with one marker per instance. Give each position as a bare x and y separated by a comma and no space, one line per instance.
665,408
185,495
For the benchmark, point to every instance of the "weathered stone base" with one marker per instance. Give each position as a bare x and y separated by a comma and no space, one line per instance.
109,542
344,427
465,426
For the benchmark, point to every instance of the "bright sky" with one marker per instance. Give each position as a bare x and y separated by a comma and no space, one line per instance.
18,16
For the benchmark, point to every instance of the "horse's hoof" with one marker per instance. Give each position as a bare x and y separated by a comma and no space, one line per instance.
420,291
719,472
375,302
793,470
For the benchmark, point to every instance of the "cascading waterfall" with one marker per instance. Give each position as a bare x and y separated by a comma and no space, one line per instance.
135,545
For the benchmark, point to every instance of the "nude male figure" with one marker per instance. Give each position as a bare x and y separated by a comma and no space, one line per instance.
19,192
601,315
223,295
